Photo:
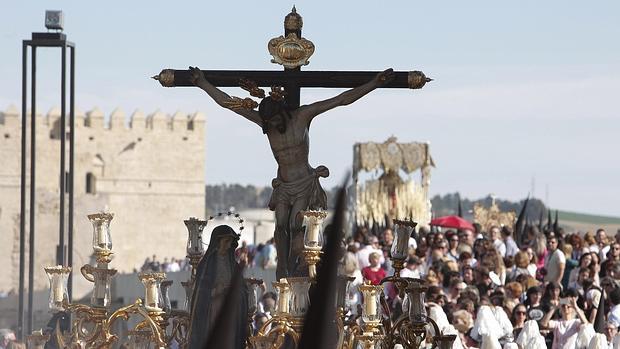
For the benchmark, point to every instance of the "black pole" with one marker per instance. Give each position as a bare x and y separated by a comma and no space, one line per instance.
71,166
63,179
22,215
33,144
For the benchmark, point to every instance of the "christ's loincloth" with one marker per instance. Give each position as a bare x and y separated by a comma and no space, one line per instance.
307,188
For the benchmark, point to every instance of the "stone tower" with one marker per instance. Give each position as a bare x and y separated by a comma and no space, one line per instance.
147,169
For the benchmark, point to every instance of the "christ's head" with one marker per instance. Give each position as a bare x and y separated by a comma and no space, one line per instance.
273,113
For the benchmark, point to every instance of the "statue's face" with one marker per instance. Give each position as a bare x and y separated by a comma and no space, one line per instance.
277,122
225,244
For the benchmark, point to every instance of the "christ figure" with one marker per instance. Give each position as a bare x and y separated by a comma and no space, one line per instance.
296,186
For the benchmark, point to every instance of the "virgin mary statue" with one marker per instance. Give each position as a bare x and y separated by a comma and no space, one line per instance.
213,284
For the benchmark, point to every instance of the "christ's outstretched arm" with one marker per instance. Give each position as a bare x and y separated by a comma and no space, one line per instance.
221,98
308,112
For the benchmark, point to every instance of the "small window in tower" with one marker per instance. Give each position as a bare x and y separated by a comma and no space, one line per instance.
90,183
190,125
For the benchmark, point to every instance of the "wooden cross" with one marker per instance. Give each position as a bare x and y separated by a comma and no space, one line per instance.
292,79
289,141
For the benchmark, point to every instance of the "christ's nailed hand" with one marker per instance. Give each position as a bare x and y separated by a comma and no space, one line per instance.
385,77
195,75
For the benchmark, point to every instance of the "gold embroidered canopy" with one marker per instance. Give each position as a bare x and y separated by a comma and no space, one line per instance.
389,195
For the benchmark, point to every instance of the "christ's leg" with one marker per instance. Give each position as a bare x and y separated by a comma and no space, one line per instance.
282,239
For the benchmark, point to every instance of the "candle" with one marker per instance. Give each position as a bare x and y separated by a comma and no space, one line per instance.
283,303
101,237
371,304
58,289
151,295
313,231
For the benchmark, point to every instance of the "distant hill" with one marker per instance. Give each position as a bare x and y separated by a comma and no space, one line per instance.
587,218
583,222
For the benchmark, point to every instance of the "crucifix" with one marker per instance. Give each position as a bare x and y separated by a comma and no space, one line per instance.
286,123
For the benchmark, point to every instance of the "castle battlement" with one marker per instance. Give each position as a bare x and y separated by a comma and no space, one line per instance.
147,167
117,120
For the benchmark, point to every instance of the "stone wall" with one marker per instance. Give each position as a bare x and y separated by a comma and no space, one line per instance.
147,169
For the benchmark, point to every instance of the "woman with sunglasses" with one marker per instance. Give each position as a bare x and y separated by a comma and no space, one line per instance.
519,316
566,329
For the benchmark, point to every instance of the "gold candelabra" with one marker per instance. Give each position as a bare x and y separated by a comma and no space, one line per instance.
313,239
91,326
414,327
160,325
274,332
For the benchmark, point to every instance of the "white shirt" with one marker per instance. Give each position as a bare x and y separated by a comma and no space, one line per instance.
174,267
564,333
614,314
511,247
500,246
362,256
603,253
552,264
408,273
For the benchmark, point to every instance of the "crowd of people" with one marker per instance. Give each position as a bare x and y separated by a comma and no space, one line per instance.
545,289
542,291
549,283
262,255
153,264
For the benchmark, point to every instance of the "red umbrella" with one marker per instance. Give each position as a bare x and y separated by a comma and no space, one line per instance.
455,222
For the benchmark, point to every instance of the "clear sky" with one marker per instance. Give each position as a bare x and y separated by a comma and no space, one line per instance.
525,91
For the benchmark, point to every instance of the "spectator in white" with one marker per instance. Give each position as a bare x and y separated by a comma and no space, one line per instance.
611,329
364,252
566,329
511,245
174,266
603,246
268,255
614,313
411,269
498,243
555,262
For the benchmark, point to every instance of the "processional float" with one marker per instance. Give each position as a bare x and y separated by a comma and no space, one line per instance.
161,326
491,216
393,192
